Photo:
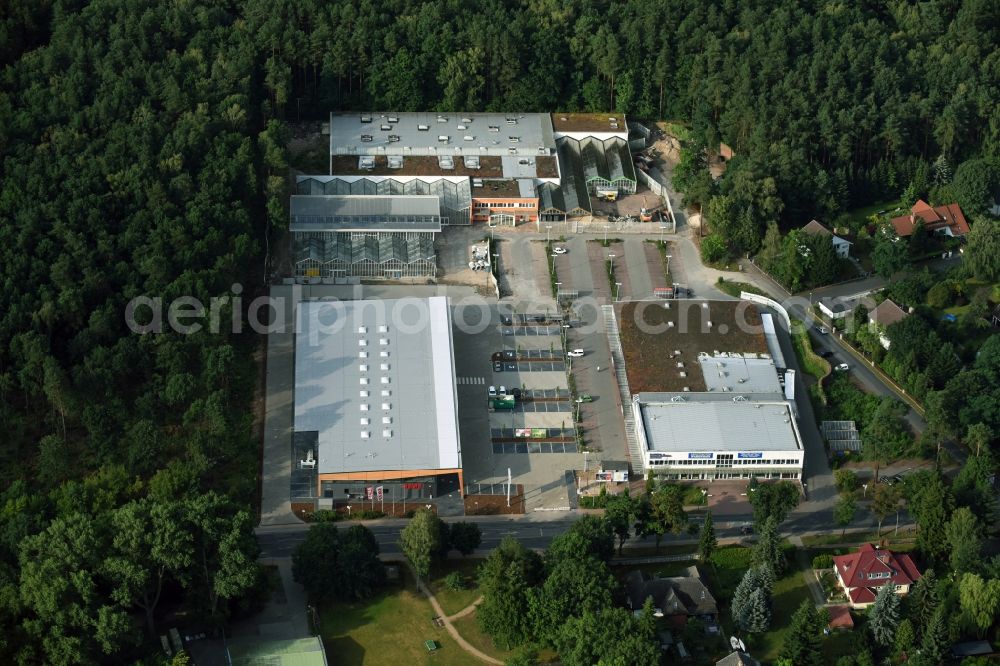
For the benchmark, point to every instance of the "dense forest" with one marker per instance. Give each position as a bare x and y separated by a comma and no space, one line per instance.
142,147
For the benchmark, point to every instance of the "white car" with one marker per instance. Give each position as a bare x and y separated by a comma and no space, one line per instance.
493,391
559,250
503,390
822,330
843,367
575,353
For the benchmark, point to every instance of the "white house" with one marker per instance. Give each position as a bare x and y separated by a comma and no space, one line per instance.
841,245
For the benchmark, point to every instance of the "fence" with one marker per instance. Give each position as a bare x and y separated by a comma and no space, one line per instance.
771,303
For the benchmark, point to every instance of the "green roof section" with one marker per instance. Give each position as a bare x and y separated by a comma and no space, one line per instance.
298,652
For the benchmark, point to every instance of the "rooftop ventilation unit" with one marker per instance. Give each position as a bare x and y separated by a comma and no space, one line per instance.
687,388
386,406
366,163
363,406
462,127
366,138
446,161
365,421
392,119
364,434
384,354
466,120
670,324
386,420
362,394
362,329
512,121
442,138
393,138
363,368
386,393
442,119
493,128
362,342
362,354
366,119
468,137
676,398
423,128
383,341
395,162
385,128
514,139
387,433
384,366
385,380
472,162
363,381
383,329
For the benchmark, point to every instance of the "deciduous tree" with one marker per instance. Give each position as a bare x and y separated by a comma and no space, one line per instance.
421,541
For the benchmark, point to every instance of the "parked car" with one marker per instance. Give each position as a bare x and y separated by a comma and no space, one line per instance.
575,353
503,390
822,330
584,398
827,354
493,391
497,366
559,250
843,367
507,321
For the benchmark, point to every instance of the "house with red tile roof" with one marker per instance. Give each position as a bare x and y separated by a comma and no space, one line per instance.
841,245
945,220
861,574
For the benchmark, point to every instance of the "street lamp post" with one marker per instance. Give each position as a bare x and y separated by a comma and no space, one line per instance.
558,289
618,291
611,267
663,228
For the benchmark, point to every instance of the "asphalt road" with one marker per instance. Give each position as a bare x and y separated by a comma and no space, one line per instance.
536,531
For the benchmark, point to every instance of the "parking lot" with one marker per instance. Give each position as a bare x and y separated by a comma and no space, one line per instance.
536,439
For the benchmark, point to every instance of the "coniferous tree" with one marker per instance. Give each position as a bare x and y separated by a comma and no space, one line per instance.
883,617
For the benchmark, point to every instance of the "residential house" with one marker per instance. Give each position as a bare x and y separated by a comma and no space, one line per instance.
737,658
676,599
883,316
863,573
834,308
841,245
945,220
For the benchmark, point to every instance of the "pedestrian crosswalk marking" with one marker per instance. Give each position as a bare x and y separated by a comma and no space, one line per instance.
470,380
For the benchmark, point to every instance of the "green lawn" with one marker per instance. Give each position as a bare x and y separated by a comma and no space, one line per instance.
468,628
789,593
453,601
734,288
904,541
859,216
389,629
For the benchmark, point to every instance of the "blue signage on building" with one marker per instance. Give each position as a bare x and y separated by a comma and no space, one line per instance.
754,454
701,455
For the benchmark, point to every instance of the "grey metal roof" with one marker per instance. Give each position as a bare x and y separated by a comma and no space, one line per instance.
359,212
718,422
526,134
736,374
412,384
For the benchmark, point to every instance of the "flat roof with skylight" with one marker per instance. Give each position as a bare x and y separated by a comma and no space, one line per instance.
375,380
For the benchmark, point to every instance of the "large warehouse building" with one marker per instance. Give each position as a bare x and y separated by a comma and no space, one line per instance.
707,398
375,397
499,169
